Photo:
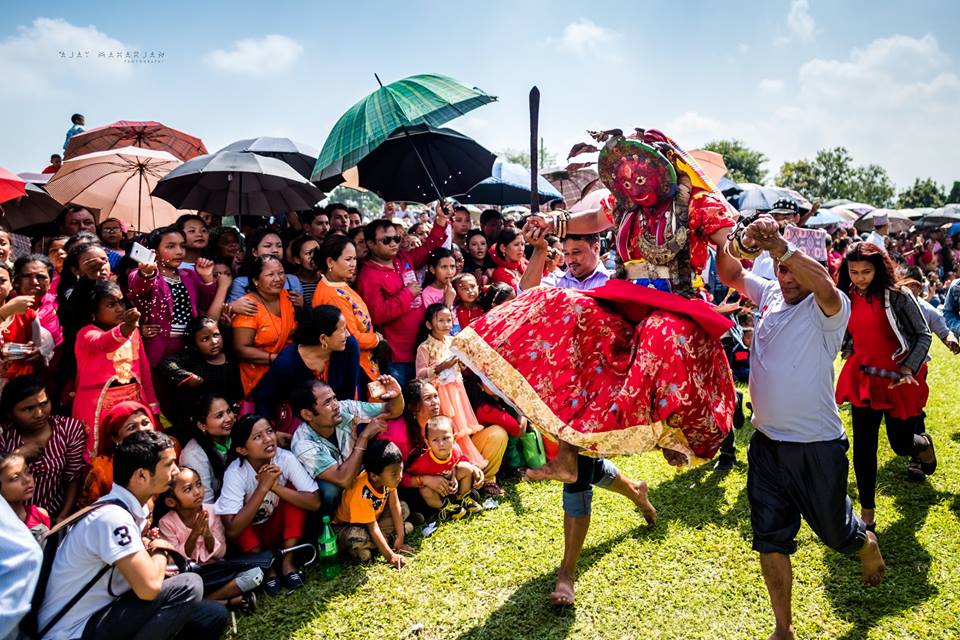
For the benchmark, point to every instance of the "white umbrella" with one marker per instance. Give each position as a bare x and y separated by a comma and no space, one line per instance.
898,220
118,182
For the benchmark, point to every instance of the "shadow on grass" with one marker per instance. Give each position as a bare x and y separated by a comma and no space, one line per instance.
908,562
522,615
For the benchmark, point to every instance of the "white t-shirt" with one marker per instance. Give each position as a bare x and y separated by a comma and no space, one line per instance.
791,364
105,536
240,483
196,458
20,558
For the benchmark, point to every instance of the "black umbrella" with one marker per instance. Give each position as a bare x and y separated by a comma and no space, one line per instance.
395,172
37,207
234,183
300,156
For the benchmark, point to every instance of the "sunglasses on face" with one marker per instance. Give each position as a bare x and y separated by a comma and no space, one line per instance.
389,239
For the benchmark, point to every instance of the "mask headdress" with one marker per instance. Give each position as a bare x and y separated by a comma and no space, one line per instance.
626,163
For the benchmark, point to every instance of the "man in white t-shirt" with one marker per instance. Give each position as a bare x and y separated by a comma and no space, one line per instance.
132,598
797,457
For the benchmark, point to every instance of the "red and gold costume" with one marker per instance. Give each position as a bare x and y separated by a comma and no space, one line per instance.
637,364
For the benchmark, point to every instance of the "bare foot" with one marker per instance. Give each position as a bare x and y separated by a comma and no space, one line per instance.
868,516
642,501
563,468
871,562
563,594
783,634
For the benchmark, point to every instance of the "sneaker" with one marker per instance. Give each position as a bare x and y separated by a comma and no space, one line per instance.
451,511
469,503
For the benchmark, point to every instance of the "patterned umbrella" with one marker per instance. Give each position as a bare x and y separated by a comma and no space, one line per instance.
572,183
128,133
11,185
430,99
118,183
233,183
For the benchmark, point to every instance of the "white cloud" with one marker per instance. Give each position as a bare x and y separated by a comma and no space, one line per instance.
771,86
583,38
891,102
30,59
692,125
801,24
743,48
256,57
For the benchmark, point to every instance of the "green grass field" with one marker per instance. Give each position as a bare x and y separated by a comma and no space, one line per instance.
691,576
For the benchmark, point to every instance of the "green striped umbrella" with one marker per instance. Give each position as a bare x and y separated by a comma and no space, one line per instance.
428,98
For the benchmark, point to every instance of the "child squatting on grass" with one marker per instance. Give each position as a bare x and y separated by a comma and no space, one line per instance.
360,523
441,456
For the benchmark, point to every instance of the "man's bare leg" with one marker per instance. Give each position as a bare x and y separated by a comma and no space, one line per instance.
574,534
563,468
871,562
635,492
778,575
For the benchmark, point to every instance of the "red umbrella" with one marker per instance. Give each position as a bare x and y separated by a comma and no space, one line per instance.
129,133
11,185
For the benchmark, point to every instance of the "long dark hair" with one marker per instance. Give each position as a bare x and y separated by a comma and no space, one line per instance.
496,294
198,416
68,279
436,256
505,237
413,398
332,247
428,316
322,320
885,271
240,433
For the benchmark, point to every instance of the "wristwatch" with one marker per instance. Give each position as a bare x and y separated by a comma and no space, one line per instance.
791,249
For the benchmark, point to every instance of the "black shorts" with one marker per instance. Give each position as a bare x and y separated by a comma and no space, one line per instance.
787,480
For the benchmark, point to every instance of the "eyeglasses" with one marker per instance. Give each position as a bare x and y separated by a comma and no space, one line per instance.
389,239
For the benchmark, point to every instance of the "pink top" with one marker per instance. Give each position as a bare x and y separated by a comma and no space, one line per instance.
174,531
431,295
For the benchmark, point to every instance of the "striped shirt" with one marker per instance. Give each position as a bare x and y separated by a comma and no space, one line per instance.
60,463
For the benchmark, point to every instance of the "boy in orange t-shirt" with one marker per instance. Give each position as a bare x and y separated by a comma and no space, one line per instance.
360,528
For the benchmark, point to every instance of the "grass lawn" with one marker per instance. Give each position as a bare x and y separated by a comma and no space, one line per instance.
691,576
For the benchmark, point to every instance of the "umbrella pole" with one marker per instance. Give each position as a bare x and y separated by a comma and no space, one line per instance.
433,183
534,124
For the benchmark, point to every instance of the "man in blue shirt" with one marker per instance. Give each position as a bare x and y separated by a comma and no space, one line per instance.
951,307
78,122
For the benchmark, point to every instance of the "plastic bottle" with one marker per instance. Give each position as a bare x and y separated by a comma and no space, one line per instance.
327,552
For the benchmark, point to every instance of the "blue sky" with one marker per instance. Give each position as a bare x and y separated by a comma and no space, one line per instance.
787,77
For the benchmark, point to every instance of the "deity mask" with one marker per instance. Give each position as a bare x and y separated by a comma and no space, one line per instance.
636,173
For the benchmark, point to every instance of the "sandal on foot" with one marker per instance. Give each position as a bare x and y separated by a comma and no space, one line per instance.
929,467
293,580
271,586
915,471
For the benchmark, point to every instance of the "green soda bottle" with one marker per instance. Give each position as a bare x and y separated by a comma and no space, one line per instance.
327,552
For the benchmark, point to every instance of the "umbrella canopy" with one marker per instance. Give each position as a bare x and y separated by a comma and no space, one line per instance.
430,99
395,172
510,184
591,202
35,178
711,163
11,185
946,214
302,157
118,183
129,133
233,183
898,220
36,207
763,198
830,217
572,183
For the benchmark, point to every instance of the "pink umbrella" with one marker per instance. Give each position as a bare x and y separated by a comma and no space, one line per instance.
11,185
118,183
129,133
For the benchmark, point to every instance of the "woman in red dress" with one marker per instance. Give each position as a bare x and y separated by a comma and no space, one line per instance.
624,368
884,377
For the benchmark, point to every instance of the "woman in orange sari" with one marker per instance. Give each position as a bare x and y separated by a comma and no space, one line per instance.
337,260
257,339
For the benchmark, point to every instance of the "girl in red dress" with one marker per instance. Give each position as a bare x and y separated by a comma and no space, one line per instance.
884,377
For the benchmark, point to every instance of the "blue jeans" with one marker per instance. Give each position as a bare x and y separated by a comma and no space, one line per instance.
402,371
329,498
578,496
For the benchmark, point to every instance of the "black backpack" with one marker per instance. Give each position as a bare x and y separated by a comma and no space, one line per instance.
53,539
